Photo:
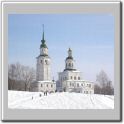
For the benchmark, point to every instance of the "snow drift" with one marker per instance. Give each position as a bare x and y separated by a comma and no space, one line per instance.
63,100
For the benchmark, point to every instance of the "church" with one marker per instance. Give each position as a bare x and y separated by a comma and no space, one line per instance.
43,70
70,80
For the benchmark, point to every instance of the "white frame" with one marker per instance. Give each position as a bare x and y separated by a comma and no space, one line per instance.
64,7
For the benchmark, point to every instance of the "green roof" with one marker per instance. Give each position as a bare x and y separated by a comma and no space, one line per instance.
43,45
69,57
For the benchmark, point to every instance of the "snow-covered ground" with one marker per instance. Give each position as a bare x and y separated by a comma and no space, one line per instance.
63,100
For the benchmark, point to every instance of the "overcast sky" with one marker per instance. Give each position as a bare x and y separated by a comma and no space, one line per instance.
90,36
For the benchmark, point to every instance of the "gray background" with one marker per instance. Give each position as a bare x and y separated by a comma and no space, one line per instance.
82,7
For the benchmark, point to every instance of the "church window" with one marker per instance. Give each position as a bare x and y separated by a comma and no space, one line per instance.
47,85
46,61
70,83
72,64
51,85
77,85
78,78
89,85
71,77
69,64
41,85
75,78
41,61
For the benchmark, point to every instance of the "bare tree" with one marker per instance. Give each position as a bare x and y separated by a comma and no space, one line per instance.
105,83
109,90
28,76
12,76
97,89
19,75
102,78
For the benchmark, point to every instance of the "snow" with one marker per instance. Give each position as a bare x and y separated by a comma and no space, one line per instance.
63,100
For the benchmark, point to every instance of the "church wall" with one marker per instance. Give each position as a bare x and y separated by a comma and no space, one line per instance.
82,86
45,86
43,70
69,64
75,75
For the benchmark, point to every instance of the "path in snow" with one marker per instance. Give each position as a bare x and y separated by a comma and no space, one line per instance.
64,100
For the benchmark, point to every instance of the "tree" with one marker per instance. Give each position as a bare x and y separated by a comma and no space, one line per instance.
109,90
105,83
12,76
20,76
102,78
97,89
28,76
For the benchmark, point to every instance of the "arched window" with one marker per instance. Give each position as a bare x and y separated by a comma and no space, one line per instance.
51,85
71,77
75,78
66,64
78,78
41,61
69,64
77,85
72,64
90,85
46,62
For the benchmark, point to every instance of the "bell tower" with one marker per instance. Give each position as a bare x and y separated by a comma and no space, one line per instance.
43,62
69,62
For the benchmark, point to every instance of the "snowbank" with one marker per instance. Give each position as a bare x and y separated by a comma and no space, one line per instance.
64,100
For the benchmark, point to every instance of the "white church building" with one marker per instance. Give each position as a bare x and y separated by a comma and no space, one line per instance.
43,70
70,80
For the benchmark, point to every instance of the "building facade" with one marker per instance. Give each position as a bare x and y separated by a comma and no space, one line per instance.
43,70
70,80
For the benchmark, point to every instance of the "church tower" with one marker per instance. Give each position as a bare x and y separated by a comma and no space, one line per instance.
43,62
69,62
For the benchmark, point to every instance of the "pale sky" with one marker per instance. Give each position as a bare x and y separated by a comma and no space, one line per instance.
90,36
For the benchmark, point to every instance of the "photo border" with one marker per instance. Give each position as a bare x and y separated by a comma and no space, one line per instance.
62,115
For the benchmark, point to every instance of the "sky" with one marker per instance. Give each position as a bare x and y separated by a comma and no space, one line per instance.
90,36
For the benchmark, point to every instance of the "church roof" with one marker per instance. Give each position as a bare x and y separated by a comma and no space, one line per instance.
67,69
69,49
43,45
69,57
44,55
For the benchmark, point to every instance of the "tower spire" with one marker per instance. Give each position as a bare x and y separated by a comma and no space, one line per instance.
69,52
43,33
43,40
